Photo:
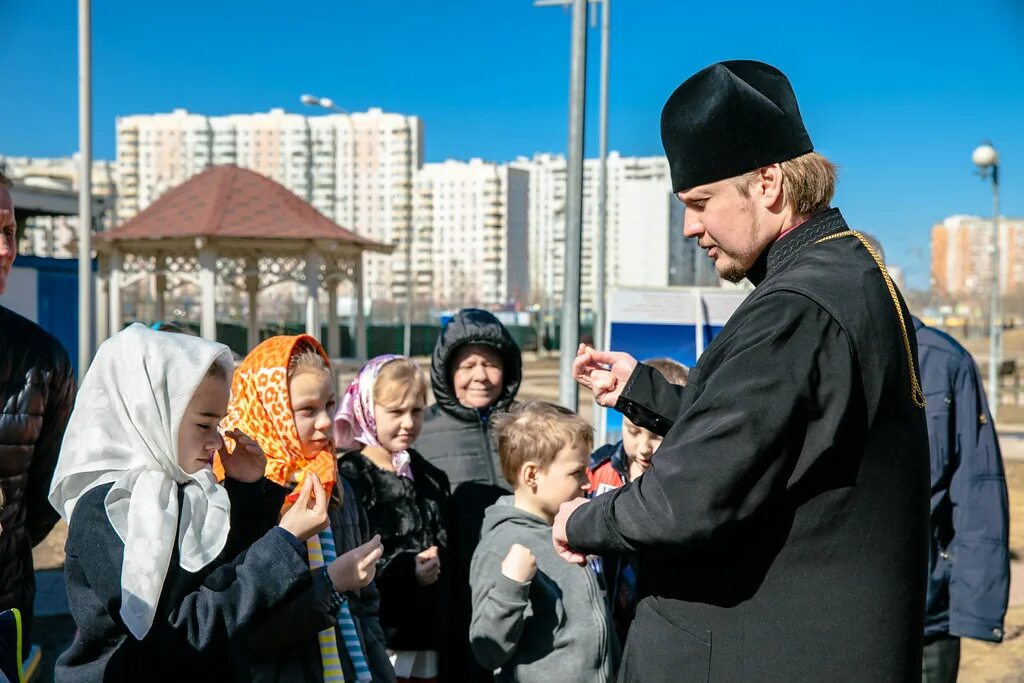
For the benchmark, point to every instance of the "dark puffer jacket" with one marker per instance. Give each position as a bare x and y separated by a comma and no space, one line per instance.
457,439
37,389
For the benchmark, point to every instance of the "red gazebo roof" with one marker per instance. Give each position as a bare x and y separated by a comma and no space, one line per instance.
232,202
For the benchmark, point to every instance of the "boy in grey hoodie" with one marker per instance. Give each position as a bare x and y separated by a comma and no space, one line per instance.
537,617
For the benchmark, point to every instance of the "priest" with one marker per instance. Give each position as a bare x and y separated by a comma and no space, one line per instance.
782,532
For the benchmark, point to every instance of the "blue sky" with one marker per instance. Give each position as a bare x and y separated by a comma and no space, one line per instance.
897,93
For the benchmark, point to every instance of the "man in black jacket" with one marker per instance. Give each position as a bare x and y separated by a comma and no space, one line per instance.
782,530
37,388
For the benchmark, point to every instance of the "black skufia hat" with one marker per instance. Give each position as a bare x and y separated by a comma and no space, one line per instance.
729,119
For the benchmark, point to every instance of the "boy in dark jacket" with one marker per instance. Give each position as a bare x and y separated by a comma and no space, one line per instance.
611,466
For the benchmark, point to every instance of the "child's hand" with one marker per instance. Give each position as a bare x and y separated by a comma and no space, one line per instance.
428,566
356,568
246,462
519,565
308,516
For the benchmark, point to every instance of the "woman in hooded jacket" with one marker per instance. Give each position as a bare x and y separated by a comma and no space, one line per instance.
475,372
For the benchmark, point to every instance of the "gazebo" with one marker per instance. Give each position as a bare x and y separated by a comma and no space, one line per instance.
231,225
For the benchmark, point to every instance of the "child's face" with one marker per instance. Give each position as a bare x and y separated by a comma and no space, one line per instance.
565,479
639,444
399,425
198,437
313,402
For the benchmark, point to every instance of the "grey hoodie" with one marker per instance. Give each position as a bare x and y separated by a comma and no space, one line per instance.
553,628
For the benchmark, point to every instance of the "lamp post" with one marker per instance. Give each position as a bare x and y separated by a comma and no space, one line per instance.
600,320
568,391
85,283
986,158
328,103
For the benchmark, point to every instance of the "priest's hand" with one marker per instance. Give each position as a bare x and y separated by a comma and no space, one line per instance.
246,461
558,532
605,373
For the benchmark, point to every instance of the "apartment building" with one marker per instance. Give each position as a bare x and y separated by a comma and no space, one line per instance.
472,225
357,169
962,255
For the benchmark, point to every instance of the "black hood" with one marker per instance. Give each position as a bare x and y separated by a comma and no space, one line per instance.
474,326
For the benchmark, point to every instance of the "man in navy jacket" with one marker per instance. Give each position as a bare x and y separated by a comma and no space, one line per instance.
969,565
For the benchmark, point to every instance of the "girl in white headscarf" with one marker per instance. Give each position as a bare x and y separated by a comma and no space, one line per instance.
150,577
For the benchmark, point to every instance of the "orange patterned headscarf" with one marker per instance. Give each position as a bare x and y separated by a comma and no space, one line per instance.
261,407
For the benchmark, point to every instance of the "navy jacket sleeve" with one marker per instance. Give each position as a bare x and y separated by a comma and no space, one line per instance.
980,580
734,452
200,618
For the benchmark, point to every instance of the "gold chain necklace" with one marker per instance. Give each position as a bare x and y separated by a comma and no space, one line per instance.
916,395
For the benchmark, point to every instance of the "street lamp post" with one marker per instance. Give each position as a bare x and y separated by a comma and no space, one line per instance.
986,158
85,283
329,103
568,391
602,182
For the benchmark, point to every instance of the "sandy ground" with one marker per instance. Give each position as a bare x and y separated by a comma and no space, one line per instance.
980,662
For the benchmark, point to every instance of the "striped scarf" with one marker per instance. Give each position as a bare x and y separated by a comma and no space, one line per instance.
322,551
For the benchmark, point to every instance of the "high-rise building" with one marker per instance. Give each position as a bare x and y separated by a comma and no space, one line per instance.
471,221
962,256
357,169
642,219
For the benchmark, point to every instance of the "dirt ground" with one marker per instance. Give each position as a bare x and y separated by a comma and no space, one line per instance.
980,662
986,663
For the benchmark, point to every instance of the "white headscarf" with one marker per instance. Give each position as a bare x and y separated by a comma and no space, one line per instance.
124,429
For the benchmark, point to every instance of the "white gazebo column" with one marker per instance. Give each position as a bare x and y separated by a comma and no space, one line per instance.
160,287
357,295
252,291
333,336
208,290
116,263
313,262
102,329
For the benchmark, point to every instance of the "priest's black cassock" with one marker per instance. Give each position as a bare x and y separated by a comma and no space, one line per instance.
781,533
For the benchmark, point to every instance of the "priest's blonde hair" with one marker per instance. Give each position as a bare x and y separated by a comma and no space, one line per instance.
808,183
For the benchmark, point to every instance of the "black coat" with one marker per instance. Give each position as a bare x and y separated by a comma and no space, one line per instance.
37,390
203,619
410,516
782,530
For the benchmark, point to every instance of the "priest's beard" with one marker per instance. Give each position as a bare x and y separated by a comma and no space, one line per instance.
736,271
733,273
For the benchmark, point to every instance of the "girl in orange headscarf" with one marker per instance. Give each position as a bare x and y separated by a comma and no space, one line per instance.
284,396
